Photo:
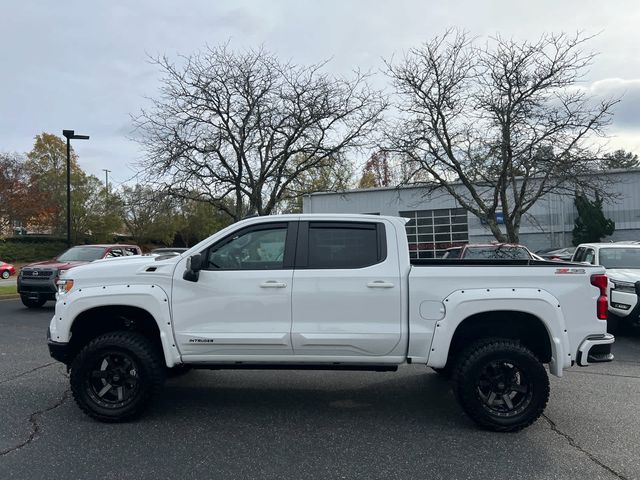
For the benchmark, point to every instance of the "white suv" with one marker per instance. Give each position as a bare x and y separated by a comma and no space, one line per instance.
622,261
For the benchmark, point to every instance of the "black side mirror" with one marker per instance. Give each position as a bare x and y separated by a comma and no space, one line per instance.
194,265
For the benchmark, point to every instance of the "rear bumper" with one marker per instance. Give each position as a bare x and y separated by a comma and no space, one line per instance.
595,349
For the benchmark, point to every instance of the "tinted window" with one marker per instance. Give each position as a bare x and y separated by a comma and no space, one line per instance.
254,250
348,246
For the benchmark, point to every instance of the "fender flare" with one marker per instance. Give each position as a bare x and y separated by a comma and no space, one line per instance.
462,304
151,298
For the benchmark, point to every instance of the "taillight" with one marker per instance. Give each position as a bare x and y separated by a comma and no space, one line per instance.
602,304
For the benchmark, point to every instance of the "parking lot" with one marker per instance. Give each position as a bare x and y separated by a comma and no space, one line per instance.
263,424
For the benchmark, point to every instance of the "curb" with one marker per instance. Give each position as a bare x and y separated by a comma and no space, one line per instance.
10,296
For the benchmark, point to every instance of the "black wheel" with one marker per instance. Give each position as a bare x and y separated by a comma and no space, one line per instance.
115,376
501,385
5,274
33,302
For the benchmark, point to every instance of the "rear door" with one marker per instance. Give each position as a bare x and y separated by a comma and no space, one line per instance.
346,290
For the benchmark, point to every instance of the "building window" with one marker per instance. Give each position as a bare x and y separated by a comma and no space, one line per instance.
431,232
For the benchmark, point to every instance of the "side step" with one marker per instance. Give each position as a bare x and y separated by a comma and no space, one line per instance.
292,366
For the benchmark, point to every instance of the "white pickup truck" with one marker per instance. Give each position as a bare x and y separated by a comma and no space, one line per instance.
328,292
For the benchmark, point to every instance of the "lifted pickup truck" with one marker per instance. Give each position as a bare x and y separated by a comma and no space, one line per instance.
328,292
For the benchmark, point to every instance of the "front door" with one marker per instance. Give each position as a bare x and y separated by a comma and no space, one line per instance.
241,302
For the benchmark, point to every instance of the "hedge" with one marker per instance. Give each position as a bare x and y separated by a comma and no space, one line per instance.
27,251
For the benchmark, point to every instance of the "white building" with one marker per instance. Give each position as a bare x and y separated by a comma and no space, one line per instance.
438,222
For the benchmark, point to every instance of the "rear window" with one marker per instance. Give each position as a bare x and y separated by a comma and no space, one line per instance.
343,246
497,252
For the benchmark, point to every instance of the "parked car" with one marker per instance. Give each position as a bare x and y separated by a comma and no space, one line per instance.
497,251
37,281
559,254
6,270
328,292
622,261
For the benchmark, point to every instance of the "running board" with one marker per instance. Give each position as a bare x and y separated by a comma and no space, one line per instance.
292,366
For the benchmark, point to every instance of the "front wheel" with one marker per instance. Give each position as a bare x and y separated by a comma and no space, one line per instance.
115,377
501,385
5,274
36,302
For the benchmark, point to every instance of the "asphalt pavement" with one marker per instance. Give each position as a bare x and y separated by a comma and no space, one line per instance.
307,425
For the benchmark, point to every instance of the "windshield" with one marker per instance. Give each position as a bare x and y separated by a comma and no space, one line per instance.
82,254
620,257
496,253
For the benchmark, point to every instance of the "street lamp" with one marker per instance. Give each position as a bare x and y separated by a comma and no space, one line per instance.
70,134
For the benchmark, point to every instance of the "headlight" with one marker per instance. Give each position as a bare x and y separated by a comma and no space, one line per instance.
64,285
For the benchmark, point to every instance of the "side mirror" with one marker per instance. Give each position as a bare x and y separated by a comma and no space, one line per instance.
194,265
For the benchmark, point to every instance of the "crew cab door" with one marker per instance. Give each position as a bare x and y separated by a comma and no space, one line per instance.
346,290
241,301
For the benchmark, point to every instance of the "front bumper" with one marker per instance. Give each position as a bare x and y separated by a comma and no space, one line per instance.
595,349
59,351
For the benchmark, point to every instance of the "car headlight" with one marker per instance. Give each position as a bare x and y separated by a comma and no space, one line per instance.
64,285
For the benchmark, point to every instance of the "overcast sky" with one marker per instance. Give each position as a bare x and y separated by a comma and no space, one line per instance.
83,65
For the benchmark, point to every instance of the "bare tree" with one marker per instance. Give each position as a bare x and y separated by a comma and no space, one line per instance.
227,126
499,126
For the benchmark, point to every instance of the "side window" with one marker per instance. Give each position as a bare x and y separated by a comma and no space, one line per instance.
579,255
590,256
253,250
130,251
347,245
114,252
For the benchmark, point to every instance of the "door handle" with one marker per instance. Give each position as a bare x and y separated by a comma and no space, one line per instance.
273,284
380,284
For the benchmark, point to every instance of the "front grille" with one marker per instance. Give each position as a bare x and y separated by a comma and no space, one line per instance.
37,274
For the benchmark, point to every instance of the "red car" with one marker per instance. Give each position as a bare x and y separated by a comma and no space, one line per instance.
6,270
37,281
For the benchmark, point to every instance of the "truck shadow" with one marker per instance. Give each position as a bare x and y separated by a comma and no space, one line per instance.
313,397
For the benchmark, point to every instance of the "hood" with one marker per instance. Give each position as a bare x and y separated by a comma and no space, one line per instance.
53,263
113,271
631,275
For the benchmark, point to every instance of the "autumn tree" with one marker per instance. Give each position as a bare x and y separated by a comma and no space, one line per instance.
500,125
20,200
239,129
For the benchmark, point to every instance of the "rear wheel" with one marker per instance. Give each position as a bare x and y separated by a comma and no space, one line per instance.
31,302
115,377
5,274
501,385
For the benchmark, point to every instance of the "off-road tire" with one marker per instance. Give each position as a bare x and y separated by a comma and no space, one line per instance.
470,379
31,303
147,367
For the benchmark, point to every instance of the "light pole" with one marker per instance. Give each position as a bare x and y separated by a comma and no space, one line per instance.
70,134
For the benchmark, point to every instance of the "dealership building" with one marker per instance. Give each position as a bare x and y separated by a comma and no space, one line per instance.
438,222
